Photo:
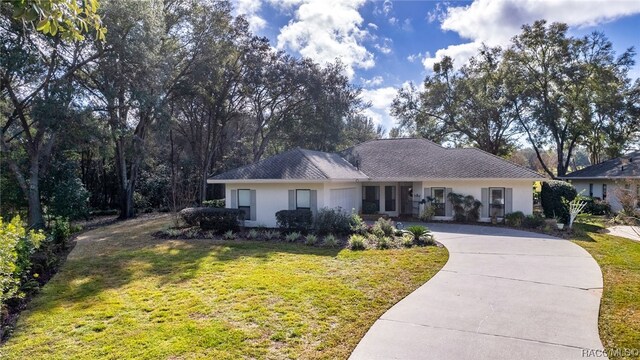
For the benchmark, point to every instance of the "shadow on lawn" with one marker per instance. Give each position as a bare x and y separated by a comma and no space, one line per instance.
115,256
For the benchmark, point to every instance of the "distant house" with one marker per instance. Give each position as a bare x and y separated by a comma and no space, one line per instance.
602,180
388,176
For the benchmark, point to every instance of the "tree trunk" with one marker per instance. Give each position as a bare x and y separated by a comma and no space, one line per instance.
126,203
36,220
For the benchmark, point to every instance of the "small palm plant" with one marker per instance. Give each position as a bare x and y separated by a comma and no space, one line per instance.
330,241
310,240
252,234
421,235
271,234
292,236
229,235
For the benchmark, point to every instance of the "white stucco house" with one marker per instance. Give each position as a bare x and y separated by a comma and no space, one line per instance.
605,180
387,176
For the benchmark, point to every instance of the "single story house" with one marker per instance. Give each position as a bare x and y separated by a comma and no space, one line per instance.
604,180
386,176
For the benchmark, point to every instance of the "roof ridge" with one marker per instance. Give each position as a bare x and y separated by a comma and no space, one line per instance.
302,151
499,158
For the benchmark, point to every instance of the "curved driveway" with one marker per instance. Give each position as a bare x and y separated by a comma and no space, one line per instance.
503,294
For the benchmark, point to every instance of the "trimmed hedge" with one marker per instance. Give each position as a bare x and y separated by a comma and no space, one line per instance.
596,206
298,220
217,219
332,221
514,219
554,197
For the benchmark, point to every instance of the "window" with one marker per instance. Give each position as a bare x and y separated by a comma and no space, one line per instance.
303,199
370,199
244,202
496,202
438,201
604,191
390,198
590,190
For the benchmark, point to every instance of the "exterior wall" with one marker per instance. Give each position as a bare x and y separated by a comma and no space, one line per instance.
522,199
271,198
583,186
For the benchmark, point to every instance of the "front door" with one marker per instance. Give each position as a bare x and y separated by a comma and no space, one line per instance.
406,200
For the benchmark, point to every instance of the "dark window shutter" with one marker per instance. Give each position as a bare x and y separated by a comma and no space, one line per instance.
508,200
252,211
485,202
233,202
448,206
292,199
313,201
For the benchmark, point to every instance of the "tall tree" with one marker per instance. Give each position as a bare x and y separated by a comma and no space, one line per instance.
553,85
36,81
470,103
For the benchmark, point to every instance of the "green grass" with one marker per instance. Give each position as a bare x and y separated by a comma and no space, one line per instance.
619,259
123,294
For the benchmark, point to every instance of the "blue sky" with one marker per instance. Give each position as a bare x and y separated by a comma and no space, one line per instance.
385,44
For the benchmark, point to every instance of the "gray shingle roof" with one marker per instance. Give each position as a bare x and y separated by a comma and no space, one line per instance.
610,169
423,159
296,164
382,159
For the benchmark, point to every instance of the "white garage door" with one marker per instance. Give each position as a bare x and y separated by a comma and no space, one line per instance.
343,198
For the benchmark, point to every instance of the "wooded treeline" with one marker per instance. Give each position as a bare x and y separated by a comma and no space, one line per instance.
562,94
131,105
176,91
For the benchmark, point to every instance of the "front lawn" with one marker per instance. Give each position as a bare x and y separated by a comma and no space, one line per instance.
125,294
619,259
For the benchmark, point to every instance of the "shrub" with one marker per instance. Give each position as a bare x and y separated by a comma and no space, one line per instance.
383,227
298,220
596,206
428,213
219,203
216,219
532,221
421,235
60,231
330,241
408,240
358,225
16,248
383,242
357,242
252,234
465,208
555,196
514,219
271,234
292,236
310,239
229,235
332,220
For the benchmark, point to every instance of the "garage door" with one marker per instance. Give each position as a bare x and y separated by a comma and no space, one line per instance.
344,199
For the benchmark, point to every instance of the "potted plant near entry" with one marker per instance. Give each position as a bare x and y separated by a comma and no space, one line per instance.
559,223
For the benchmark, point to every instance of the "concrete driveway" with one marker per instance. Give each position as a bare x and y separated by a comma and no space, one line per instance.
503,294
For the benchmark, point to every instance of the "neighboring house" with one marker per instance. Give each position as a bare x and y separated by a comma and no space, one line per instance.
388,176
603,180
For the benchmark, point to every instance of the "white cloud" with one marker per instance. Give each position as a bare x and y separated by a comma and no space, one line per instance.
251,10
495,22
325,30
385,46
380,99
373,26
374,81
414,57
